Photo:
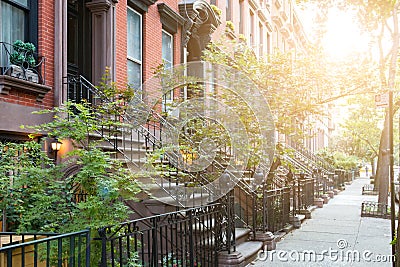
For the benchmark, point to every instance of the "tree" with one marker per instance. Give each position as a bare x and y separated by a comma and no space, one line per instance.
382,16
360,131
297,86
40,197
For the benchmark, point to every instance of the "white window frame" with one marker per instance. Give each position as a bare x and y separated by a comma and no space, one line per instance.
166,102
140,60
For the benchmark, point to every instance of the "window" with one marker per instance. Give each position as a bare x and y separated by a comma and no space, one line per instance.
261,41
167,49
18,21
168,59
268,43
252,30
134,48
241,17
228,10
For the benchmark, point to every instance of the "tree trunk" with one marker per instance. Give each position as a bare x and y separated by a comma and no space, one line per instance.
382,172
373,171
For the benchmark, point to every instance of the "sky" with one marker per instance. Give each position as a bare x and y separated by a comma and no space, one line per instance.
343,36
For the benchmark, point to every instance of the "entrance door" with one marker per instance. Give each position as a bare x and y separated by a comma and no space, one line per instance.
79,41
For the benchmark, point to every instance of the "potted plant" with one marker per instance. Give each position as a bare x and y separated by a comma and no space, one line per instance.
23,54
23,61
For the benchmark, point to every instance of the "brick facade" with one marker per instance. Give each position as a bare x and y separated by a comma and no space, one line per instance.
121,43
45,48
46,45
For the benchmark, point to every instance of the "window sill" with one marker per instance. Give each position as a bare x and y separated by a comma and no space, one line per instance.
8,83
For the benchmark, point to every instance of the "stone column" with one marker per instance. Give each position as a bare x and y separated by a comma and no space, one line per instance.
60,51
103,38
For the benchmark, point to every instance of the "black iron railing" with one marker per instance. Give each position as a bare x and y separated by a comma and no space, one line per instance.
375,209
191,237
277,208
246,205
134,139
369,189
299,165
340,178
303,192
263,209
316,160
22,63
43,249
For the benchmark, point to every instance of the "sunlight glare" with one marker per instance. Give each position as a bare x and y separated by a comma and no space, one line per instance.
343,37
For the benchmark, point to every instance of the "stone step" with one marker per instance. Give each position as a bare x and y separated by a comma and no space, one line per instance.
242,235
245,254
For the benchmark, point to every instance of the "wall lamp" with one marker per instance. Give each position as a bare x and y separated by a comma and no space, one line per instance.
56,146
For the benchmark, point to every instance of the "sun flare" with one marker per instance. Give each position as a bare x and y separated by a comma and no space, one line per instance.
343,37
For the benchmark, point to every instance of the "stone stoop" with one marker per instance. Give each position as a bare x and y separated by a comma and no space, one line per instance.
301,217
245,252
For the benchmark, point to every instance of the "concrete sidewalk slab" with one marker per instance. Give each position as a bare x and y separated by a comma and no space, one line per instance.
336,235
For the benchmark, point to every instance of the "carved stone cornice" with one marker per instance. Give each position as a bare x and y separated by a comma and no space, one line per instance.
98,6
169,18
201,22
142,4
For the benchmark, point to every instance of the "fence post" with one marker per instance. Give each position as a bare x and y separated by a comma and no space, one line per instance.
191,247
88,248
154,257
103,236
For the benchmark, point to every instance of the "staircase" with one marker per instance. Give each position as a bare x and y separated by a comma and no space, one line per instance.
172,188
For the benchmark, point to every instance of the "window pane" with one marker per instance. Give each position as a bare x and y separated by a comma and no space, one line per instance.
167,49
22,2
72,42
134,33
134,74
12,23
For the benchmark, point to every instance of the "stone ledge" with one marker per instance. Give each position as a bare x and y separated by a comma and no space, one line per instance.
8,83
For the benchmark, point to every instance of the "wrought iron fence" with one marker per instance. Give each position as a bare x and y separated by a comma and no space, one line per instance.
277,208
262,210
339,178
44,249
369,189
303,192
19,61
375,209
191,237
246,206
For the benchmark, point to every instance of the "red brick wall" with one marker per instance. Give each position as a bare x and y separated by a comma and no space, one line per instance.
21,98
46,44
120,49
152,42
45,48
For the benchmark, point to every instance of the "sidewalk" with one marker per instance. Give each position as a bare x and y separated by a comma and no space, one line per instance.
336,235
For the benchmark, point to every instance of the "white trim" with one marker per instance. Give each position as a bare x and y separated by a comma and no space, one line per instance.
171,96
136,60
172,46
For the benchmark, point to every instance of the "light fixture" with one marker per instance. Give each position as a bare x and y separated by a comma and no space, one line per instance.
56,145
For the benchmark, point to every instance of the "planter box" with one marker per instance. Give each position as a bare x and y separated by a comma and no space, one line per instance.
18,72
